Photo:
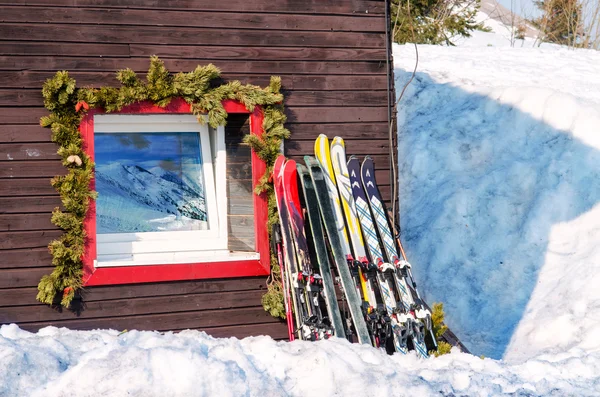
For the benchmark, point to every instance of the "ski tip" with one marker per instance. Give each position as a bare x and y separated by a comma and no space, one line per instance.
353,165
322,147
337,148
289,168
301,168
310,160
278,164
368,160
290,163
338,141
322,140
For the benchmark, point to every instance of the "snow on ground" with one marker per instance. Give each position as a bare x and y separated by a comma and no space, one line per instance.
499,152
59,362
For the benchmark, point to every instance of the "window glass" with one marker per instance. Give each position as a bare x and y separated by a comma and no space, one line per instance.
150,182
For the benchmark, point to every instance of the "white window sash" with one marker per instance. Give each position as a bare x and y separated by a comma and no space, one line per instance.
129,249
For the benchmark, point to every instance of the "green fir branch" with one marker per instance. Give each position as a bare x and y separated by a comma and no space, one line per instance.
68,104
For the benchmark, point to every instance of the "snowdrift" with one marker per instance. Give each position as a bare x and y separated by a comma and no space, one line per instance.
499,153
59,362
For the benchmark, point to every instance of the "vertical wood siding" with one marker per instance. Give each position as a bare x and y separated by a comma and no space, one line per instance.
331,57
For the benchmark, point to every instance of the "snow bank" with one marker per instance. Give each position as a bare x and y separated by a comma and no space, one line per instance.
60,362
499,152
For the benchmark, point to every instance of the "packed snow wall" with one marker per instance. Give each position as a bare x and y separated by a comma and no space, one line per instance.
499,167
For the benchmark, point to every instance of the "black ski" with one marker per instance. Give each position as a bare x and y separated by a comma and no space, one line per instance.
320,248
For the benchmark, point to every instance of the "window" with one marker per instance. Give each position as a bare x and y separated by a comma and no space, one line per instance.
175,197
159,182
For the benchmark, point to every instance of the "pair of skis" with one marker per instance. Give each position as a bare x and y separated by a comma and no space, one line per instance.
296,262
303,287
393,315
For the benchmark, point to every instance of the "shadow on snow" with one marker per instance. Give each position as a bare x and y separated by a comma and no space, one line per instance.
481,185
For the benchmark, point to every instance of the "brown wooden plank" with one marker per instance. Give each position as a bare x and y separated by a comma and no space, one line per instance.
32,169
346,114
296,114
193,51
350,131
24,133
140,65
386,192
190,18
318,83
352,147
277,331
264,53
239,187
28,151
237,244
29,257
24,205
243,235
238,160
24,115
382,162
20,222
103,293
240,170
336,98
240,206
21,98
204,36
18,296
354,7
241,243
237,154
138,306
36,239
16,278
33,48
26,296
163,322
26,187
241,222
35,79
33,98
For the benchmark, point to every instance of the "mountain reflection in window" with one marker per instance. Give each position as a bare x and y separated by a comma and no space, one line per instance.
149,182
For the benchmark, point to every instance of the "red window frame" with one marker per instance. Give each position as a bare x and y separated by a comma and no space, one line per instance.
93,276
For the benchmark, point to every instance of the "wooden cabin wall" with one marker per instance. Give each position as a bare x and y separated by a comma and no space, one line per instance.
330,54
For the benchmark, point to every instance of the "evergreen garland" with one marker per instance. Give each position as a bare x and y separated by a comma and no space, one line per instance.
68,104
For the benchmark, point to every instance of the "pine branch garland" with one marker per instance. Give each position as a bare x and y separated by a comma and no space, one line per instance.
67,105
